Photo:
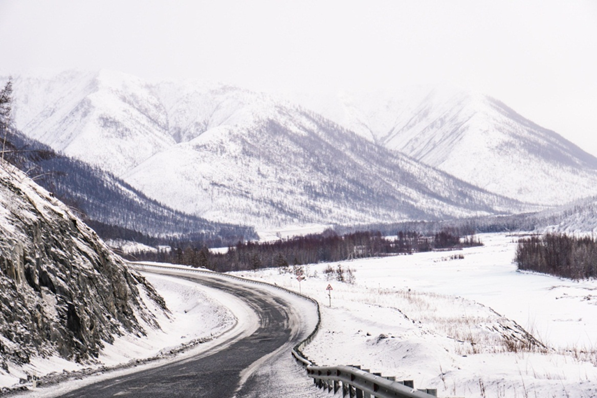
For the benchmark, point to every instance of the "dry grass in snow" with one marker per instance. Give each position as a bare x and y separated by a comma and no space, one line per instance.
430,318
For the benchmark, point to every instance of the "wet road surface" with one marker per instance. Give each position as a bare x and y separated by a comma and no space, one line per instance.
218,374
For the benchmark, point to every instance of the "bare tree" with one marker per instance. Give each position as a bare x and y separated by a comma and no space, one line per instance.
5,111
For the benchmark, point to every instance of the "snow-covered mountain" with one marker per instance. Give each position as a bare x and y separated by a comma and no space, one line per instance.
234,155
578,217
471,136
297,167
110,206
62,291
108,119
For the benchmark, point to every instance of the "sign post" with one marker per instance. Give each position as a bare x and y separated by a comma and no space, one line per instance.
300,278
329,289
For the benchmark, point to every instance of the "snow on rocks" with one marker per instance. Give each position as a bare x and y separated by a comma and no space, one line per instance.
70,307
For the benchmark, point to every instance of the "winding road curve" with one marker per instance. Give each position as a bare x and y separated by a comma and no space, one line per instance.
233,370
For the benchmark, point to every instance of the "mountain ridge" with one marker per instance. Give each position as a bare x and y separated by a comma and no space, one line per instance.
230,122
470,136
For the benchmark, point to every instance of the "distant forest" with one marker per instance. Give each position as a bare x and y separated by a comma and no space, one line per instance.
559,255
325,247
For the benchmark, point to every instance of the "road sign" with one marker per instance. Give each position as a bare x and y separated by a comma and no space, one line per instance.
329,287
300,278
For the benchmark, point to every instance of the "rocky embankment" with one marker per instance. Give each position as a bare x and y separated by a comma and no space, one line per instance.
62,291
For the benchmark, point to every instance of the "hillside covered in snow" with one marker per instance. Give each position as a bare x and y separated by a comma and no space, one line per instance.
233,155
469,135
113,208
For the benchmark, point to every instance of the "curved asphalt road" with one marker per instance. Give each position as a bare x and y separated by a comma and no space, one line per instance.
217,374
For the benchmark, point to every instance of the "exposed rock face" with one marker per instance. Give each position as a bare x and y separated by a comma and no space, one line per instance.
62,291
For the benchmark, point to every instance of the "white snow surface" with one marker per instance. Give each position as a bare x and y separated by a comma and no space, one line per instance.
441,322
127,246
273,234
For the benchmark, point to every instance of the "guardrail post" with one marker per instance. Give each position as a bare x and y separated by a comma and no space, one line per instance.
345,390
336,386
359,393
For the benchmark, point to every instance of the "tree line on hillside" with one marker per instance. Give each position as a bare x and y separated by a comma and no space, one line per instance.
309,249
464,226
559,255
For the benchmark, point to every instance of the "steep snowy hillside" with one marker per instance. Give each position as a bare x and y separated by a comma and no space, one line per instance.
195,107
101,197
116,121
232,155
298,167
62,291
471,136
107,118
577,217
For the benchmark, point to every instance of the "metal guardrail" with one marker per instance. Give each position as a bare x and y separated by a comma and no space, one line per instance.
353,381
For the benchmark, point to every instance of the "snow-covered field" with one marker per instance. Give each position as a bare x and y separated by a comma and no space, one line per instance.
127,246
456,324
289,231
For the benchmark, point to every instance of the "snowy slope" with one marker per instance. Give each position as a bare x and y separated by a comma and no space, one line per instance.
578,217
106,200
229,154
297,167
471,136
107,118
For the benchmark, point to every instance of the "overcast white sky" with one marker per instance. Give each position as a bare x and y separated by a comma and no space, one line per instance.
539,57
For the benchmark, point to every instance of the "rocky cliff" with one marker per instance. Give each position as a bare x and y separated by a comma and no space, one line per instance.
62,291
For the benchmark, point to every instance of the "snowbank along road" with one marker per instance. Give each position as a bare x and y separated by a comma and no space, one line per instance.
249,365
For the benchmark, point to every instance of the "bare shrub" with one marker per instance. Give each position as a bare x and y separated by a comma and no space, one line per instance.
329,272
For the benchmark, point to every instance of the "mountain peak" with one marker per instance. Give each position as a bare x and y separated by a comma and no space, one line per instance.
215,150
